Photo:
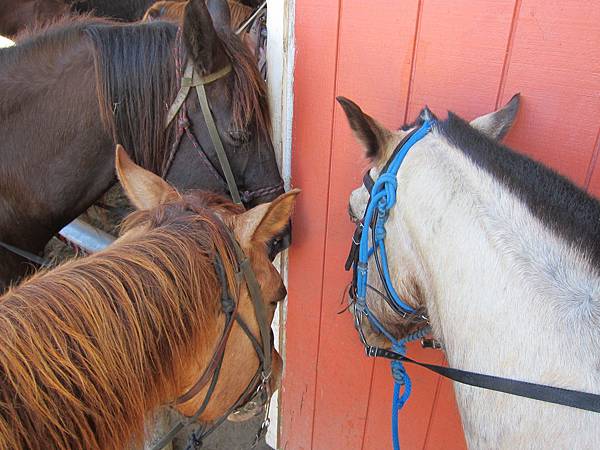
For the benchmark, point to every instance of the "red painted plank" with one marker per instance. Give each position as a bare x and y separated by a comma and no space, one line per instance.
313,116
373,69
445,428
460,55
594,184
555,64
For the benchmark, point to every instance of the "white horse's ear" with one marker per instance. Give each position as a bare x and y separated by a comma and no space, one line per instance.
496,124
145,189
369,132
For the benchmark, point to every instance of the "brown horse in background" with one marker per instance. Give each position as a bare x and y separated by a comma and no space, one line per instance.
89,349
17,15
69,94
173,10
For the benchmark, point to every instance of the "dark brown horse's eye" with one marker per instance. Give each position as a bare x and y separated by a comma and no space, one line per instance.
240,137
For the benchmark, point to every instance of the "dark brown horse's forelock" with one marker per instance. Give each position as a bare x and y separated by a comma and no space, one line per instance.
250,102
89,348
135,70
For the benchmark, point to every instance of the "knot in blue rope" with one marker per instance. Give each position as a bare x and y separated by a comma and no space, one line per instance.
380,230
387,183
398,370
399,373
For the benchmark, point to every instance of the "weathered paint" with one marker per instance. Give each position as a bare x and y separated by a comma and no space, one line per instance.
393,58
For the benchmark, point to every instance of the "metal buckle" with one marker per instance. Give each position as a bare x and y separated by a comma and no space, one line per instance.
431,343
265,377
262,431
371,351
264,426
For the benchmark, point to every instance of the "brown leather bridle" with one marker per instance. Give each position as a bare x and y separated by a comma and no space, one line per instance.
192,79
259,385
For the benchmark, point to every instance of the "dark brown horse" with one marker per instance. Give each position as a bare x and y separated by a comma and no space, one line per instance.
69,94
16,15
126,10
89,349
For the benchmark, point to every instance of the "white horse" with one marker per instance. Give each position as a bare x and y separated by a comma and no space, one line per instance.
504,255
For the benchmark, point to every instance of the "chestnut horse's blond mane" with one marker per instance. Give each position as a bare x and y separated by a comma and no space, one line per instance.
87,349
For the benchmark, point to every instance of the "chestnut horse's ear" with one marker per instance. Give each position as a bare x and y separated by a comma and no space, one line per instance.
263,222
369,132
496,124
201,40
145,189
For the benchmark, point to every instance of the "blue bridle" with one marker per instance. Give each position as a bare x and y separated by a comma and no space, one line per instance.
381,201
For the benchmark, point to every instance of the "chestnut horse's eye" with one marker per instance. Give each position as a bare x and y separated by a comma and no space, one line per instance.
240,137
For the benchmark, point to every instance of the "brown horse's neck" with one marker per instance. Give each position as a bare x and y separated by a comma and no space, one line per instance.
56,161
88,350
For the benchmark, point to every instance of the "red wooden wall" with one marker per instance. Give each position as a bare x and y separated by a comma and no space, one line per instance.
393,57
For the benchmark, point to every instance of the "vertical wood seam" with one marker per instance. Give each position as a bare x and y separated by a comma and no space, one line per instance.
438,388
592,164
508,53
324,254
364,430
413,59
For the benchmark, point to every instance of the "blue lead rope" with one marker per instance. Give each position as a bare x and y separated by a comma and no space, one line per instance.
401,379
383,198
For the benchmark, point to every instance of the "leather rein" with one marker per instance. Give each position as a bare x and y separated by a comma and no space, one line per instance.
258,388
382,198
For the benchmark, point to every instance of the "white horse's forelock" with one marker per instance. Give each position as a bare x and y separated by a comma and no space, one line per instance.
506,294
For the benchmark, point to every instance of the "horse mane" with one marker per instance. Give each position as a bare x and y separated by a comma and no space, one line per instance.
239,12
92,346
135,72
558,203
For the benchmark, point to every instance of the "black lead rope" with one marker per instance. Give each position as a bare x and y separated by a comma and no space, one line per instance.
549,394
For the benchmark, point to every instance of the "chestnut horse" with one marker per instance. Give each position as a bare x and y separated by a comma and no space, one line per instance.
69,94
173,10
89,349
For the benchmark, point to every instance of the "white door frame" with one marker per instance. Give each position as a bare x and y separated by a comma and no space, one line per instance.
280,74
